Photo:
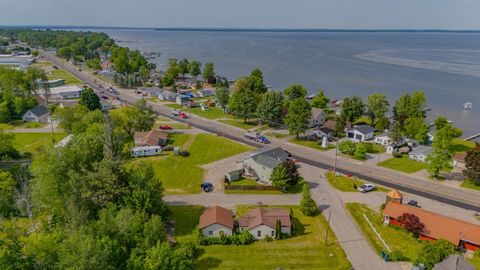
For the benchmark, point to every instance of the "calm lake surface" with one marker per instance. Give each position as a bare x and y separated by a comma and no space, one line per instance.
444,65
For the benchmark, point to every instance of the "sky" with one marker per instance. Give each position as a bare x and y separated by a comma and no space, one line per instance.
324,14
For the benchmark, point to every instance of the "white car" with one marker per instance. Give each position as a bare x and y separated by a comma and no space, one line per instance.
366,188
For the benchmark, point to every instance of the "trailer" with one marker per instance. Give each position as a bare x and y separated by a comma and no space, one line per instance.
256,136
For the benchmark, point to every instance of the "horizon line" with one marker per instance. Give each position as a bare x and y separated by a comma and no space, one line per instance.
245,29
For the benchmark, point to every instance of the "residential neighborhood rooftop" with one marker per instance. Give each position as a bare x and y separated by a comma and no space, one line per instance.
268,217
269,156
39,110
365,129
216,215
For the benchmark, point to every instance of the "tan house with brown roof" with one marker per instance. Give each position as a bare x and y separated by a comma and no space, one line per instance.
317,117
458,232
262,222
153,137
216,220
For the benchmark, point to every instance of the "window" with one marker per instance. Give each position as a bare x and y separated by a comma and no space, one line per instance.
210,233
259,233
273,233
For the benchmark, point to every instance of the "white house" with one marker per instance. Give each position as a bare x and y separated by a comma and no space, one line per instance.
360,133
261,162
318,117
38,113
261,222
216,221
145,151
420,153
167,96
65,92
383,139
182,100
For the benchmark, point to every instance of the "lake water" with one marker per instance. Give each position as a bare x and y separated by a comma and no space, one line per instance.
444,65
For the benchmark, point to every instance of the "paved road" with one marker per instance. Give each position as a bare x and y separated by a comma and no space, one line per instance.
468,199
231,200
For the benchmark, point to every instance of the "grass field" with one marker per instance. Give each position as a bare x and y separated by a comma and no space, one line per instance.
462,146
31,142
210,113
250,182
276,135
467,183
181,175
240,124
396,238
476,260
306,250
186,220
403,165
374,148
346,184
311,144
57,73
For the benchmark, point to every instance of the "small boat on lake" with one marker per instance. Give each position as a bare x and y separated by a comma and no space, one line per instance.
467,105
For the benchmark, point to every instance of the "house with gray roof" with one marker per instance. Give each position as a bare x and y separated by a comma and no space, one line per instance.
167,96
420,153
260,163
38,113
360,133
454,262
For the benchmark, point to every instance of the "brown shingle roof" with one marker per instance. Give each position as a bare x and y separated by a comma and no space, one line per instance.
216,215
460,157
438,226
330,124
261,216
395,194
150,138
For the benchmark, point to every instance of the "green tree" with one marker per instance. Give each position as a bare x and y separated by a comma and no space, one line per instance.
441,155
298,116
377,106
472,165
89,99
295,91
320,100
396,133
243,104
360,151
94,64
255,82
440,122
194,68
140,117
422,134
278,230
307,205
382,124
352,108
6,144
280,177
183,64
270,108
223,95
209,73
347,147
413,126
7,194
432,253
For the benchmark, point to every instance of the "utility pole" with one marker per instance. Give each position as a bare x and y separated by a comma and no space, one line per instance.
328,227
335,160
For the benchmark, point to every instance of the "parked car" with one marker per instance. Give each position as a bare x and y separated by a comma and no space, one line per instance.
206,186
413,203
256,136
366,188
182,115
165,127
104,97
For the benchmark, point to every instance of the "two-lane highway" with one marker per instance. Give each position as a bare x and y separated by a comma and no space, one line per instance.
468,199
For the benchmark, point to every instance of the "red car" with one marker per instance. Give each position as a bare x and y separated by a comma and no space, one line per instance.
165,127
182,115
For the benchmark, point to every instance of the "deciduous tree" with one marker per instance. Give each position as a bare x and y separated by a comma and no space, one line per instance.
352,108
298,116
472,165
223,95
209,73
270,108
307,205
411,223
320,100
377,106
89,99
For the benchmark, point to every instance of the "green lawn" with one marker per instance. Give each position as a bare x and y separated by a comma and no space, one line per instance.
21,124
476,260
307,250
186,219
403,164
396,238
62,74
250,182
210,113
346,184
240,123
467,183
31,142
374,148
311,144
181,175
462,146
245,182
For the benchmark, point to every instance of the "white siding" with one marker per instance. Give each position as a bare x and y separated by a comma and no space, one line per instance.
263,172
215,229
263,230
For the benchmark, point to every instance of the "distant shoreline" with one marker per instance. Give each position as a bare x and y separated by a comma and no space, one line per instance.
273,30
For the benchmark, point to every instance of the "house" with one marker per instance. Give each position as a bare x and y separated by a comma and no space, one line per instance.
458,232
106,106
323,132
420,153
64,92
153,137
383,139
318,117
459,160
360,133
50,83
261,162
262,222
454,262
182,100
167,96
145,151
205,93
216,221
38,113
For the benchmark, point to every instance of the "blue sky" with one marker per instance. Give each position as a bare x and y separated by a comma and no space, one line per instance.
349,14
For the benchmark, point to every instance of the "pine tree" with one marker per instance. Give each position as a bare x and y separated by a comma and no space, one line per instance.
308,206
278,230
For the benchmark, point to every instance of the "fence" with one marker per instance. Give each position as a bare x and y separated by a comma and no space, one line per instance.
246,187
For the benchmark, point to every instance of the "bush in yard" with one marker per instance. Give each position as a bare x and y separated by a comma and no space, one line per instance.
433,253
360,151
397,154
278,229
285,175
346,147
308,206
244,238
411,223
472,165
396,256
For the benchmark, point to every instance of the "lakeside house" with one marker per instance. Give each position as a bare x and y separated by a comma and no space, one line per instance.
460,233
260,163
360,133
38,113
216,221
167,96
148,143
420,153
318,117
261,222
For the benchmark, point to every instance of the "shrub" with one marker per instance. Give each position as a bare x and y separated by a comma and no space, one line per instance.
411,223
433,253
396,256
244,238
268,238
308,206
360,151
397,154
347,147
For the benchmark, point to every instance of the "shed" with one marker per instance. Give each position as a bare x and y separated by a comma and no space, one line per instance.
394,196
234,175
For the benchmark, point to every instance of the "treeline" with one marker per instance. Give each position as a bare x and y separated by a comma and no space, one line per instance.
85,206
17,89
185,66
